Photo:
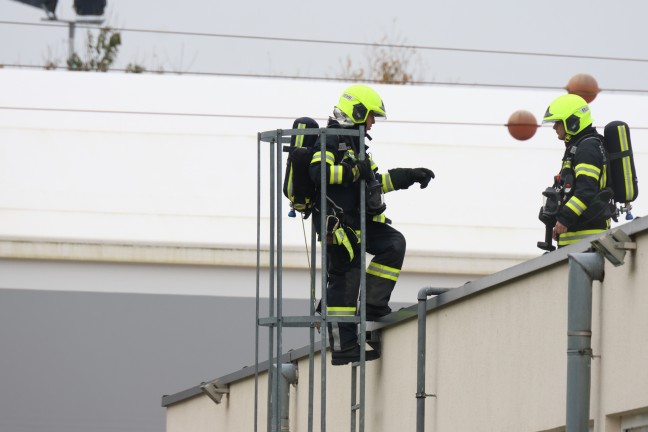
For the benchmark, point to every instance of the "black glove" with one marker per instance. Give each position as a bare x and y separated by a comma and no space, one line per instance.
364,169
402,178
422,176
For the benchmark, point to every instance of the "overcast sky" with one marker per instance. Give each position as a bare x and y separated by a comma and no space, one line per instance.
596,29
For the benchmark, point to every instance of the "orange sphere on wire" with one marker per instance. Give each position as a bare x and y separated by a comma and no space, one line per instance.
522,125
583,85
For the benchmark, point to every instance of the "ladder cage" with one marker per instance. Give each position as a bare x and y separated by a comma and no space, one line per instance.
275,140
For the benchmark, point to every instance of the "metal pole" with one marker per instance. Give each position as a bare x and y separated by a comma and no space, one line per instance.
324,312
271,298
354,397
71,28
311,353
423,294
363,282
278,400
258,285
583,269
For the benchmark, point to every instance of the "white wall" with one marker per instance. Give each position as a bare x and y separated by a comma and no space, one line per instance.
173,159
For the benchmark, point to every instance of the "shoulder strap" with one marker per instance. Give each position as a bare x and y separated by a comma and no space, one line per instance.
599,141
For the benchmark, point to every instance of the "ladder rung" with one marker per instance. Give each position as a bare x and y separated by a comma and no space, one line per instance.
351,319
304,321
290,321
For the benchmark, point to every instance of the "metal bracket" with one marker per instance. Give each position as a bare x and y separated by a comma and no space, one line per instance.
613,246
215,390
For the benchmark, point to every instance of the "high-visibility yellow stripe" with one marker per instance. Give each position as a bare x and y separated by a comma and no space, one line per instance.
387,185
576,236
356,173
317,158
588,170
379,218
341,311
341,238
336,174
299,139
625,162
383,271
576,205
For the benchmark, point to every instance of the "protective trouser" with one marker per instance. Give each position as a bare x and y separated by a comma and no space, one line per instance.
387,245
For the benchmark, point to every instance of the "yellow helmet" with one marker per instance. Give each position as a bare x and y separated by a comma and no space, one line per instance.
358,101
572,110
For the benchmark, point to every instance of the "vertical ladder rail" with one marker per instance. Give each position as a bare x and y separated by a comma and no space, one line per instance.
363,283
354,396
311,352
324,304
272,379
258,286
279,328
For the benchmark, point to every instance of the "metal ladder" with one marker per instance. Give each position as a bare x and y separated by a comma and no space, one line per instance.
275,320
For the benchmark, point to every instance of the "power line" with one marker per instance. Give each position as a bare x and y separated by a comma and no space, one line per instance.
241,116
344,79
215,115
348,43
320,78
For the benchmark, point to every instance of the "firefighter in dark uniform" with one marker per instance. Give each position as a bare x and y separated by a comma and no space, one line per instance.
359,105
584,207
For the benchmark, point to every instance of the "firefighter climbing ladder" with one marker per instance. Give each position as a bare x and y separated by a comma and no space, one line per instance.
273,141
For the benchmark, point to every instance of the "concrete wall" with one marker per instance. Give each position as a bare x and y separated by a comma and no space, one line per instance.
496,359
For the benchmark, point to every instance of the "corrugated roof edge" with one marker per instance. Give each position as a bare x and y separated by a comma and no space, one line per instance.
639,224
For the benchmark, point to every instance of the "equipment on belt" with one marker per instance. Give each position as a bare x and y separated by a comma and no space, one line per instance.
547,216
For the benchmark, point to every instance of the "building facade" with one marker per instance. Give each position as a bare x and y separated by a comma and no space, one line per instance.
496,359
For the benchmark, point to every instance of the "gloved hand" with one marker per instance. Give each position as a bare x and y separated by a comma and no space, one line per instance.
422,176
364,169
402,178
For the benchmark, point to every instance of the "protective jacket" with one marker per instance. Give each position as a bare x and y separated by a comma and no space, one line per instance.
342,188
386,244
582,177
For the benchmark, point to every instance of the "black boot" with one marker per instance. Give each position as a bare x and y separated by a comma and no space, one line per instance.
352,355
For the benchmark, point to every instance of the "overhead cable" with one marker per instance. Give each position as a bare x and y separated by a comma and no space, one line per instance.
340,42
242,116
